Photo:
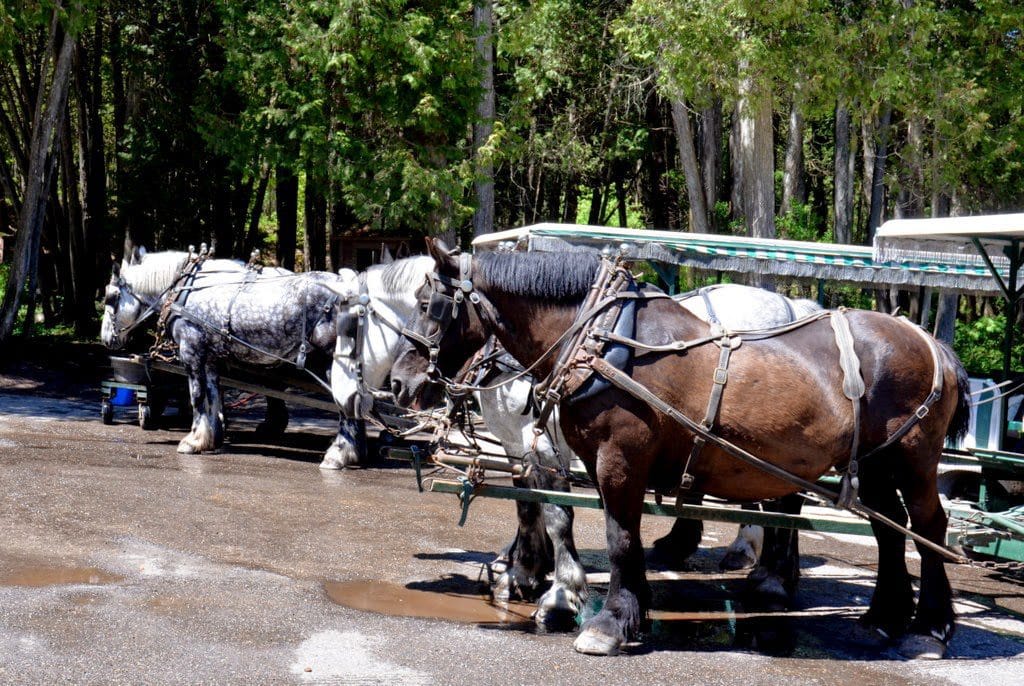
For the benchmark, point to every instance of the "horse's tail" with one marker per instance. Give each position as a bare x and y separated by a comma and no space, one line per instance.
959,424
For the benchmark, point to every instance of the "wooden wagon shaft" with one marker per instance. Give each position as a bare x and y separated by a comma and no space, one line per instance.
668,508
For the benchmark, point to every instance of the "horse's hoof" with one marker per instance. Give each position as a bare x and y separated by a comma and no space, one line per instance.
186,448
869,635
557,610
331,462
736,560
921,647
338,457
555,619
591,642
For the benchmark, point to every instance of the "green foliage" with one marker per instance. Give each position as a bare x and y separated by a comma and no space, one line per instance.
801,224
980,344
374,96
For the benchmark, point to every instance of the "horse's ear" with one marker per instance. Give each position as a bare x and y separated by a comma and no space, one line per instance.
447,260
138,252
115,270
385,255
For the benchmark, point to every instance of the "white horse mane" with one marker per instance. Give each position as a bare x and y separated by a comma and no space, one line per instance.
156,272
397,277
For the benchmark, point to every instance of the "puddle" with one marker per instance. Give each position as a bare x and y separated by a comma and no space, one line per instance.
39,576
398,601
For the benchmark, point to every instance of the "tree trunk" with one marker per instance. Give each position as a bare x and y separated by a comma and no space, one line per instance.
878,173
843,188
621,200
737,164
691,170
315,246
710,132
70,233
252,233
757,149
287,203
572,201
655,193
483,25
51,100
86,264
794,190
596,202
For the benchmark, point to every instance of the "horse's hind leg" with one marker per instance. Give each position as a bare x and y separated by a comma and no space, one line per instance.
275,421
530,555
773,582
892,603
778,571
674,548
349,446
933,623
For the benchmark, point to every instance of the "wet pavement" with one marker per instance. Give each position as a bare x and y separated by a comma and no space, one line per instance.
124,562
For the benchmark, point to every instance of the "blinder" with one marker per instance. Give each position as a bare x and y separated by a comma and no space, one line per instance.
443,309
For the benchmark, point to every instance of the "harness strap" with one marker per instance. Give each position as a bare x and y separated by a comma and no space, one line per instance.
624,382
853,389
713,320
719,379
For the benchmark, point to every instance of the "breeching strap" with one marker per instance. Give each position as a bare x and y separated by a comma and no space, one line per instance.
853,389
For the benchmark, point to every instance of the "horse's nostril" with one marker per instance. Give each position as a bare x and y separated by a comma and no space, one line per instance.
396,387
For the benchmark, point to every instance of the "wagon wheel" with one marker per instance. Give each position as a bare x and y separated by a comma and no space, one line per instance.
146,420
107,411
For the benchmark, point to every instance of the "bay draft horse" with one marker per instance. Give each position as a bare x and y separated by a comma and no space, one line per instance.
783,401
373,308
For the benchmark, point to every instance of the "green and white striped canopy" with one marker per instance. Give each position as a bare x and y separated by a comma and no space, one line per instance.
846,263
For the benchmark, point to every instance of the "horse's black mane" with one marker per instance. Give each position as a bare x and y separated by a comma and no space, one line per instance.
565,276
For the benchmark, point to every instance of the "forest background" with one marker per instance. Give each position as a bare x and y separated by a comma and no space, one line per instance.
287,125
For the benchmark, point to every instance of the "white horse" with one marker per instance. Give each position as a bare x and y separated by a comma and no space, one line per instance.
136,294
382,300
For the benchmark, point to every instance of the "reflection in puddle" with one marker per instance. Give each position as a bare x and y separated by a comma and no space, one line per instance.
39,576
398,601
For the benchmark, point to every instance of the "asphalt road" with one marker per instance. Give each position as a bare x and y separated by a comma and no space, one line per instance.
123,562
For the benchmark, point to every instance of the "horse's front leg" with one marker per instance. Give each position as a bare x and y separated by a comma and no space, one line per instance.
349,446
207,420
622,490
558,607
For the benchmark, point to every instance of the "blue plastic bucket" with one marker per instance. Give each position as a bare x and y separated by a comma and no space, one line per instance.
122,396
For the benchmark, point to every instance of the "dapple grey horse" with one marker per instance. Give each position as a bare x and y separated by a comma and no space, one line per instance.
223,309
